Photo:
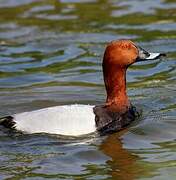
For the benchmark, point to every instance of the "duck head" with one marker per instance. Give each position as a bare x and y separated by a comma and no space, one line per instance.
118,56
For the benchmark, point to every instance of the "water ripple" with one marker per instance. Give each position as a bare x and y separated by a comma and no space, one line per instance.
51,54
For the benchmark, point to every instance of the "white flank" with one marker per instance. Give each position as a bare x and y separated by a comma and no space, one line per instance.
71,120
153,55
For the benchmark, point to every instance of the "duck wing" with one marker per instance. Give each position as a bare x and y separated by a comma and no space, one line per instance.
71,120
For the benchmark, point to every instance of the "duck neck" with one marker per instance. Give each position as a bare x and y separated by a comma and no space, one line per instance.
115,83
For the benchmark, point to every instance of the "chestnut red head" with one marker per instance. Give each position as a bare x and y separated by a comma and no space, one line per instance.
118,56
120,53
124,53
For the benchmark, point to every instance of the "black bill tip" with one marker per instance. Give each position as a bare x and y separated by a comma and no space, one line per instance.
153,56
145,56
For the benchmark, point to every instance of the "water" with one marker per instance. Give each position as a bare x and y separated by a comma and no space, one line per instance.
51,53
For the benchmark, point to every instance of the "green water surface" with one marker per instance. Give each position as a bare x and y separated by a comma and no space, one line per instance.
51,53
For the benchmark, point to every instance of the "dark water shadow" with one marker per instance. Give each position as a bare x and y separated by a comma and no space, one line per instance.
123,164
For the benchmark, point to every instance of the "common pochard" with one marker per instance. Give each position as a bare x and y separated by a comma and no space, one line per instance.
74,120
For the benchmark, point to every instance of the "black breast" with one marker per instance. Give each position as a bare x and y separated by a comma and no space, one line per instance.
108,121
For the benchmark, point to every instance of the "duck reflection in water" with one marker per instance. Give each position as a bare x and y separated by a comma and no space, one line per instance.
123,163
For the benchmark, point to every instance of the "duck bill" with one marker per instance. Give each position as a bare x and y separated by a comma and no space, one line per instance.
146,56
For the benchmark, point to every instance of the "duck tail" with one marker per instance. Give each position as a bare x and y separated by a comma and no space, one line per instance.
7,121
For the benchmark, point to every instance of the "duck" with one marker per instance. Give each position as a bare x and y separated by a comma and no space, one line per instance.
78,119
